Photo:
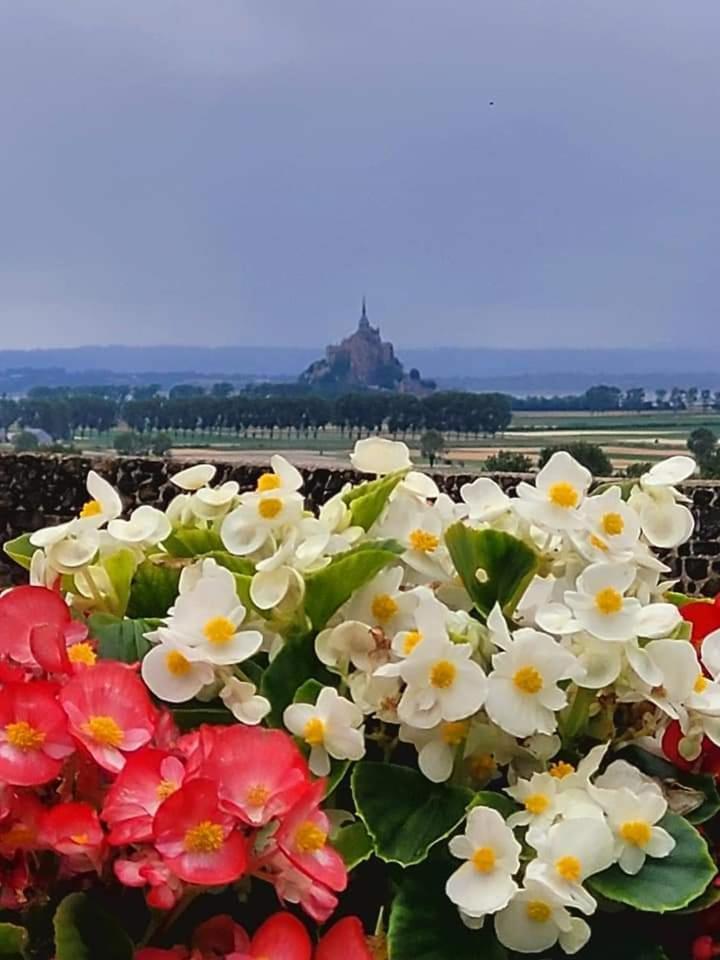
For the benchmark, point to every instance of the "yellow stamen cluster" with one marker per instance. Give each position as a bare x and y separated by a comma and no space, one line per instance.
701,684
612,524
82,653
412,639
314,732
483,859
528,680
257,795
205,837
636,832
309,838
267,482
453,733
219,631
442,674
165,789
538,911
423,541
537,803
269,507
561,769
104,730
24,736
177,663
609,601
563,495
569,869
384,608
92,508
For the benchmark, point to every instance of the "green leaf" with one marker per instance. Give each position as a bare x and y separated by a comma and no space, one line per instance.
20,550
84,931
153,591
13,940
367,500
120,568
673,780
425,925
353,843
193,542
118,639
498,801
663,884
328,589
294,664
405,813
194,713
507,564
231,562
681,599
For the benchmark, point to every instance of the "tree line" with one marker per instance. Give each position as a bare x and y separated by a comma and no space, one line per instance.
603,398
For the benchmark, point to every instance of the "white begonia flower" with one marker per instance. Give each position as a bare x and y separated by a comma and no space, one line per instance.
206,619
431,620
195,477
332,727
69,546
437,747
350,642
247,528
179,511
633,819
535,920
41,574
171,675
303,550
376,695
284,476
670,472
710,653
104,503
602,662
146,527
443,683
538,797
379,456
420,528
242,700
419,485
484,883
567,854
211,503
613,528
382,604
523,692
601,607
486,500
620,773
553,503
684,687
538,594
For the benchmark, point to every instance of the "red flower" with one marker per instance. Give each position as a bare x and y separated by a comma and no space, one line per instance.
24,609
707,762
152,953
73,830
704,617
34,738
260,773
146,869
20,830
198,840
110,712
281,937
292,886
303,836
220,936
344,941
148,778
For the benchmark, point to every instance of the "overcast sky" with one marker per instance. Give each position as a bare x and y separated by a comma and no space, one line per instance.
516,172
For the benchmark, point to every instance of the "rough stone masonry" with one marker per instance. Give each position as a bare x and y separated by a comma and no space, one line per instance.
38,490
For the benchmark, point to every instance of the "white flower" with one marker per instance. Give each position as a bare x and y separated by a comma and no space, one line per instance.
210,503
284,476
382,604
601,607
437,747
633,818
710,652
670,472
104,503
69,546
571,851
613,528
443,683
331,728
538,796
664,521
379,456
431,620
349,642
249,525
420,529
484,883
146,527
207,616
620,773
683,687
558,493
485,499
242,700
171,675
418,485
523,692
302,551
535,920
195,477
376,695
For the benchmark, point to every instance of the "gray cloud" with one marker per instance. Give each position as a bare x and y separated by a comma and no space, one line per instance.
237,171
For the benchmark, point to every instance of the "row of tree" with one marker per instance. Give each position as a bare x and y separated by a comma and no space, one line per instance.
63,415
603,398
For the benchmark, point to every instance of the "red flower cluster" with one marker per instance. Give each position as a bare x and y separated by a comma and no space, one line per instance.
281,937
704,617
92,770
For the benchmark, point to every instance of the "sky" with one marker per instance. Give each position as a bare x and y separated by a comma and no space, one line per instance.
536,173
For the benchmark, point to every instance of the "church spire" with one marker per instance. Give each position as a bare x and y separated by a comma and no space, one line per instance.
364,322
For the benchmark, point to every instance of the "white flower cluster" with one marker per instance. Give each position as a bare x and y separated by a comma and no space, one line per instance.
479,698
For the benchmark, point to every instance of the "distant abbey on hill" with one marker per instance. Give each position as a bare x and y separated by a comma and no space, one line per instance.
364,359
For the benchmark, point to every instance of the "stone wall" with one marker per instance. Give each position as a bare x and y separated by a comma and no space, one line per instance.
40,490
